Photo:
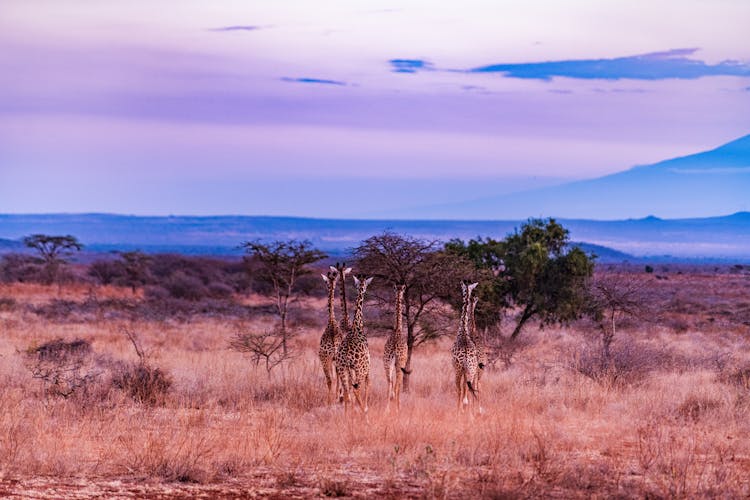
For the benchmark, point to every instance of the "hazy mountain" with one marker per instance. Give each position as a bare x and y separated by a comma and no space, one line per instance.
699,185
717,237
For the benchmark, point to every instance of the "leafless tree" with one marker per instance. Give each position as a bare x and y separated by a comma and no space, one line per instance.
264,347
431,277
613,297
280,264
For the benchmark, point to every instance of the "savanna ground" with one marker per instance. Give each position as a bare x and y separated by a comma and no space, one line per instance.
667,418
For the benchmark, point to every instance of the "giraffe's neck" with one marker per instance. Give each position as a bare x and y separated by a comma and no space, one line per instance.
358,324
472,319
331,309
399,313
344,310
464,323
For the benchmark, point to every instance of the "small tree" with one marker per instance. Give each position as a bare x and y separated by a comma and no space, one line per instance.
613,297
135,264
545,278
533,269
264,347
280,264
428,274
52,250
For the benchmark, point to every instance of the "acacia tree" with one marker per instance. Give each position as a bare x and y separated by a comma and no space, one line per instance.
52,250
545,277
429,275
533,269
280,264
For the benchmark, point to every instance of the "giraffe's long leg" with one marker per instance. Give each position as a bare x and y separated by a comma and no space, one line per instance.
459,387
367,391
399,383
389,379
344,380
328,372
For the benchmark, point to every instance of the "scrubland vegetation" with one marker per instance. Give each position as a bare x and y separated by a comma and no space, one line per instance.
114,382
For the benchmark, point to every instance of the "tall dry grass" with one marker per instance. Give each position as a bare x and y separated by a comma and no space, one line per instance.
675,428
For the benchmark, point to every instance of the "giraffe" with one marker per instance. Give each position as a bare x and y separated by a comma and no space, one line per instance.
353,355
328,344
345,326
464,352
478,341
394,353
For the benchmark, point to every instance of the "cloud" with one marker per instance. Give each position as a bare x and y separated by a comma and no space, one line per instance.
652,66
674,63
410,65
236,28
313,80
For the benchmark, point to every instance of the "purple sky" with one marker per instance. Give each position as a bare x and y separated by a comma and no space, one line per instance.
339,108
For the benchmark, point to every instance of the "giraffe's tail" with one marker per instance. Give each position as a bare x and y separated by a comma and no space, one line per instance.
405,371
471,388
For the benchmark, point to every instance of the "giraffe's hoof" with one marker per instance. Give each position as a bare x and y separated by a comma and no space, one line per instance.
466,401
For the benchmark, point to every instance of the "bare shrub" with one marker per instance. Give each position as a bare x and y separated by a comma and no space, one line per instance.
7,303
613,298
267,348
735,374
144,383
696,406
504,349
17,267
627,363
176,456
63,367
332,487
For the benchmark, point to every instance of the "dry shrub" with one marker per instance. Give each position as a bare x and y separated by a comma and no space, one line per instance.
504,349
176,456
695,407
7,303
143,383
734,374
332,487
628,363
65,368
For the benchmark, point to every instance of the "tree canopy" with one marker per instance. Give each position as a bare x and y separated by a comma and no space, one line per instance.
429,275
534,269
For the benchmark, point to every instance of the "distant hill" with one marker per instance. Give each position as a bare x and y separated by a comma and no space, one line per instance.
10,245
698,185
708,238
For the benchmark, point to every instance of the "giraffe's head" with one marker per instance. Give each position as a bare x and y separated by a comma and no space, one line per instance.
342,269
399,289
467,289
362,284
331,276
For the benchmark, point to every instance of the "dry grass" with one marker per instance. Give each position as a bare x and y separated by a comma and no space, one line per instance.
678,429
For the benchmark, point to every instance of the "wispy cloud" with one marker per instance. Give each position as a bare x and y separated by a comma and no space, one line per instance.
410,65
664,65
237,28
313,80
652,66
